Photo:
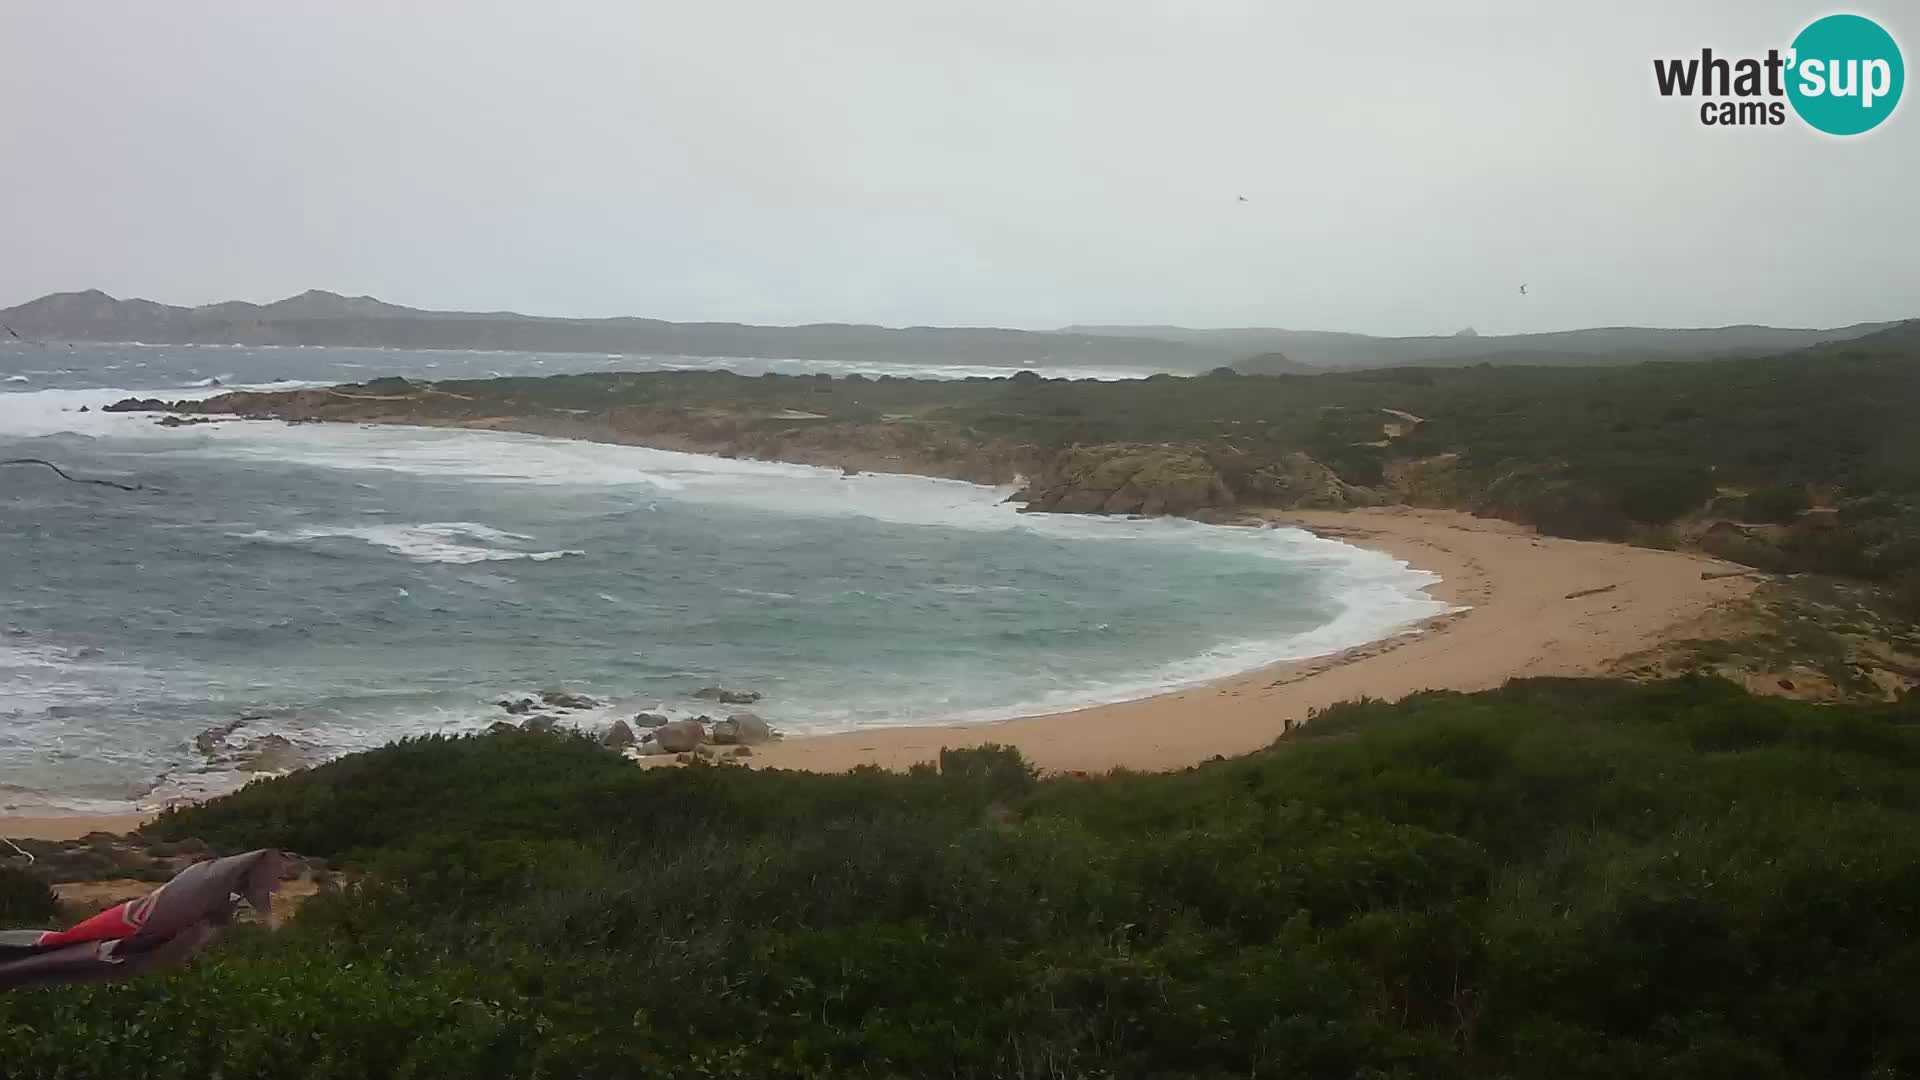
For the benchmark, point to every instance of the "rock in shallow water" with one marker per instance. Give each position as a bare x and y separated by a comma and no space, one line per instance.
727,697
270,753
567,699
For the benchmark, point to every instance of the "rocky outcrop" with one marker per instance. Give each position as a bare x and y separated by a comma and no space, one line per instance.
742,729
728,697
618,737
567,699
210,742
1127,478
1751,545
649,719
1297,482
269,754
539,724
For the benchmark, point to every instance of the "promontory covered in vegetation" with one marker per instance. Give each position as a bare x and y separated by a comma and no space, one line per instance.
1805,461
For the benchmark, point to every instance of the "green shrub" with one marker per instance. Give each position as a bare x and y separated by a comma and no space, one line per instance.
1558,878
1782,504
25,900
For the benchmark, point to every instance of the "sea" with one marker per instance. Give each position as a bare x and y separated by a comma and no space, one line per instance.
332,587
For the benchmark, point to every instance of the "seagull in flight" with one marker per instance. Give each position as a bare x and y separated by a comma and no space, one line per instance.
1243,198
1523,290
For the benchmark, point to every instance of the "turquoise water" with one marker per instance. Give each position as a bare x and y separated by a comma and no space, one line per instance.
346,585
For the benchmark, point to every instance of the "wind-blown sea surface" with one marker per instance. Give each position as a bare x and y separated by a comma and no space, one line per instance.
340,586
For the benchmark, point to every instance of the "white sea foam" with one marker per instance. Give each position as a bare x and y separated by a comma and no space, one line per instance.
1372,595
56,412
432,542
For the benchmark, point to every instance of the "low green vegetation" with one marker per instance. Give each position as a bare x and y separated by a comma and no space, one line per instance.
25,900
1558,879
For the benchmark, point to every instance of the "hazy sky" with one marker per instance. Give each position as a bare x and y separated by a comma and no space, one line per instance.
1014,162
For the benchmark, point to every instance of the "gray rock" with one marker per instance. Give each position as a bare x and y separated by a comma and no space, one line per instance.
567,699
539,724
618,737
680,736
727,697
649,719
741,729
500,727
209,741
649,747
269,753
517,708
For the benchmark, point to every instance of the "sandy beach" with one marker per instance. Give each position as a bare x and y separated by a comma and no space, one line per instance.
1536,606
1533,605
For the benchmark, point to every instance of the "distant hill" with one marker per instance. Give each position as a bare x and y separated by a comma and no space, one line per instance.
317,317
323,318
1600,345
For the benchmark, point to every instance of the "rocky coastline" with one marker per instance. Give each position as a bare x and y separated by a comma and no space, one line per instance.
1152,479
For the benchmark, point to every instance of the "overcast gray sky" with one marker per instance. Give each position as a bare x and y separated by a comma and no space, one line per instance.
1012,162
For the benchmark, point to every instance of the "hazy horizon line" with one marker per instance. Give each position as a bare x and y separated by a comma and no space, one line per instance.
1063,328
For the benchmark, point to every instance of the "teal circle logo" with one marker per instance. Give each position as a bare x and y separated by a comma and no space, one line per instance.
1846,74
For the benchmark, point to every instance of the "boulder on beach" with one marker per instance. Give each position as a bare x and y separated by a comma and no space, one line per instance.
539,724
742,729
727,697
567,699
501,727
680,736
618,737
650,719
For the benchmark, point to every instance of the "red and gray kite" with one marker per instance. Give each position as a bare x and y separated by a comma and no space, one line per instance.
158,930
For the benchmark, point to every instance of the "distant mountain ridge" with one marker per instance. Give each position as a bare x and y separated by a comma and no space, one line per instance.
318,317
1597,345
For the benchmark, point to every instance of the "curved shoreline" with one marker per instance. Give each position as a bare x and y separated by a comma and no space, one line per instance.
1533,605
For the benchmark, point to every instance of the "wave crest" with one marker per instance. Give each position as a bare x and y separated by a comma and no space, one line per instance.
456,542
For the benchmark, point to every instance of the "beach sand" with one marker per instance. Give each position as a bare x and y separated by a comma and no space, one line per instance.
1534,606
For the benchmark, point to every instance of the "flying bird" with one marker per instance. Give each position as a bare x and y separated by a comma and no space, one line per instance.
10,330
1523,290
1243,198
